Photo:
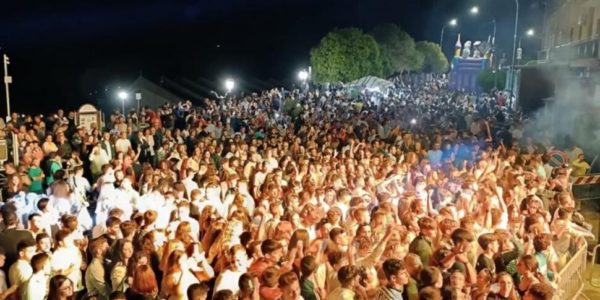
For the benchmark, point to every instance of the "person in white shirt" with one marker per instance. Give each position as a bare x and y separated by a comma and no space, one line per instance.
37,285
183,211
67,259
189,182
21,270
79,184
123,144
98,158
129,197
107,199
213,198
238,264
168,205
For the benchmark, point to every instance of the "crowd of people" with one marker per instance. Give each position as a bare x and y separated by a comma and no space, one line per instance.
421,193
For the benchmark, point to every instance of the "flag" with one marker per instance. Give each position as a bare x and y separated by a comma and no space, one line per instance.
457,47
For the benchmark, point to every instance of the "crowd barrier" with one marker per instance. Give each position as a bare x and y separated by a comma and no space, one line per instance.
570,280
586,187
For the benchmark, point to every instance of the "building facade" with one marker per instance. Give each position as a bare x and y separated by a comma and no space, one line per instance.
571,34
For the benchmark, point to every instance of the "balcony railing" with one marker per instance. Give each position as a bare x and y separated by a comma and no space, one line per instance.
572,51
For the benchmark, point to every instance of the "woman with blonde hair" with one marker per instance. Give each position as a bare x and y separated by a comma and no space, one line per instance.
182,240
237,265
184,269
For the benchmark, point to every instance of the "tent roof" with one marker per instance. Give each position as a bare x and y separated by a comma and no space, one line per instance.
371,82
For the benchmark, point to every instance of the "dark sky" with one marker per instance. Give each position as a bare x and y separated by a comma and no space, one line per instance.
62,50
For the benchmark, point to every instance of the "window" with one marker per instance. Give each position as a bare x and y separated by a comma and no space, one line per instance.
571,34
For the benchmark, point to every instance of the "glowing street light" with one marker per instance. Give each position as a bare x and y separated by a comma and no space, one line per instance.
530,33
474,10
229,85
123,95
303,75
452,23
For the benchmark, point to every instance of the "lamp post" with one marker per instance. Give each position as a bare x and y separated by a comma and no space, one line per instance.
475,11
452,23
123,96
7,81
512,64
138,97
528,33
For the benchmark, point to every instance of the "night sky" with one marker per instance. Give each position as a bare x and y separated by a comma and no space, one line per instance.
64,53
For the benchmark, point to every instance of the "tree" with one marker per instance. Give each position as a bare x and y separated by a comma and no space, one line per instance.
434,59
345,55
489,79
398,52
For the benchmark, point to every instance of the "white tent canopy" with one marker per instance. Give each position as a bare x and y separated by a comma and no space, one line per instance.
371,83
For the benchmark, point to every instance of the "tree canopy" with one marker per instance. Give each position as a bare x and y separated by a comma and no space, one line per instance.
398,52
345,55
434,59
490,79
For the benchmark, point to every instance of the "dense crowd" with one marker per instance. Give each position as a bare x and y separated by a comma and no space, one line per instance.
418,193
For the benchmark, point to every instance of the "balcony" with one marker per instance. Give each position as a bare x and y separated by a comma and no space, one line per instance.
572,53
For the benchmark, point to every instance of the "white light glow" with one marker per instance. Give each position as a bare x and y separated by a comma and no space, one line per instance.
229,85
303,75
123,95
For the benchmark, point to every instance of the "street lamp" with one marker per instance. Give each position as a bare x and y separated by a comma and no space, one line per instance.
512,64
529,33
475,11
123,96
452,23
229,85
7,81
303,76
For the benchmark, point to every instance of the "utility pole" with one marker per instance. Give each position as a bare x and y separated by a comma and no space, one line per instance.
7,81
514,54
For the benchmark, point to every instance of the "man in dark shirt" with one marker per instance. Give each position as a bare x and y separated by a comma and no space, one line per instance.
421,245
11,237
489,244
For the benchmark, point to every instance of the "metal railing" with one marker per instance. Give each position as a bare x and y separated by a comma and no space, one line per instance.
570,279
